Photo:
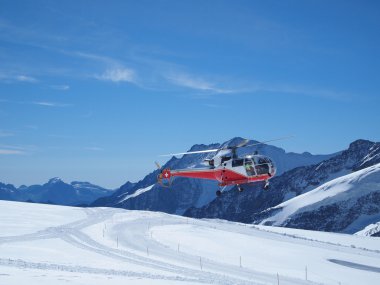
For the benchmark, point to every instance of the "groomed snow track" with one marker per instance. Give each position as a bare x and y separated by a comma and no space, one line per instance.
148,248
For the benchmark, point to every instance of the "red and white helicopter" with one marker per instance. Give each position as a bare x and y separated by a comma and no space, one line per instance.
227,167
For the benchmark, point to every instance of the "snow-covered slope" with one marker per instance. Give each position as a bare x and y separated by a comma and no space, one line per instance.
45,244
346,204
185,193
370,230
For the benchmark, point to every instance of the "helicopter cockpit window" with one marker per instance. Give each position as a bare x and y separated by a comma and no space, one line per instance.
225,158
248,165
262,166
237,162
261,161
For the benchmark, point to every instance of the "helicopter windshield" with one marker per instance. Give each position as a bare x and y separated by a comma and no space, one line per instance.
262,165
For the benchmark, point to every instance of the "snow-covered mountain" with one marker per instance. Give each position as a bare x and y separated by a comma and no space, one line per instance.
247,206
8,192
46,244
185,193
372,230
55,191
345,204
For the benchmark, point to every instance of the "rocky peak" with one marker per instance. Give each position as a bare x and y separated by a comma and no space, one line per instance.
55,180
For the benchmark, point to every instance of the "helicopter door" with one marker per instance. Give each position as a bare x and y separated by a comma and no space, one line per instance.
249,166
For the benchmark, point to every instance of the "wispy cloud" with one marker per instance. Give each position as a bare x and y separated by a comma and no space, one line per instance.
94,148
25,78
39,103
193,82
10,151
146,69
115,71
91,56
118,75
50,104
10,77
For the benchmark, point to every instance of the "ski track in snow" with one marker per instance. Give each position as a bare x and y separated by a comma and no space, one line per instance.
356,265
135,238
71,233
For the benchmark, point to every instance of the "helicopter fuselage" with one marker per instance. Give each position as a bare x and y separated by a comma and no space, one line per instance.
233,171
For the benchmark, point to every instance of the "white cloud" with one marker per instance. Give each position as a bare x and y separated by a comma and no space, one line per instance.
16,149
50,104
118,75
24,78
91,56
189,81
10,77
40,103
11,151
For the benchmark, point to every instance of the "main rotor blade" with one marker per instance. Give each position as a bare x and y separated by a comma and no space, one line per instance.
243,143
264,142
190,152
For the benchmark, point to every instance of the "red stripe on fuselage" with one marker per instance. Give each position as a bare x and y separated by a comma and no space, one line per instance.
224,176
196,173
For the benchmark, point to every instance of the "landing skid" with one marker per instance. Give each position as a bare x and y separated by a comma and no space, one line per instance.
220,192
240,189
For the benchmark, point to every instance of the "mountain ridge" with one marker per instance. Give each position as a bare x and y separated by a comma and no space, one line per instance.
54,191
249,206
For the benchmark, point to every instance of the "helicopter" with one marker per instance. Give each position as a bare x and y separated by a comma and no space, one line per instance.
226,167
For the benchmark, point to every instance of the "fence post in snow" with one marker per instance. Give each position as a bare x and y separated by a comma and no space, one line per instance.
103,233
306,273
240,260
147,251
200,263
278,279
178,247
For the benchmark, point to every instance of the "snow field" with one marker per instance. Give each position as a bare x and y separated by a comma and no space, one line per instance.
43,244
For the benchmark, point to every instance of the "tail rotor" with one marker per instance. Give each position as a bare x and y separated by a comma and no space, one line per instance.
164,178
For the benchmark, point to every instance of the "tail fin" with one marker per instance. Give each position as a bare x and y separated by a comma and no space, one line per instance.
164,177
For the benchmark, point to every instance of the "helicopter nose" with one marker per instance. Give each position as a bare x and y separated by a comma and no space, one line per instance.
273,169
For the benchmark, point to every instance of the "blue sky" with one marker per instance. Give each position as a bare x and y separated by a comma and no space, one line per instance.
96,90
